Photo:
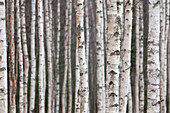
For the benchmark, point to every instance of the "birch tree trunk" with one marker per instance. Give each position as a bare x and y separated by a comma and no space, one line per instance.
25,53
153,71
163,74
49,55
3,61
84,89
19,47
125,87
69,58
100,56
41,57
113,56
137,57
33,58
64,104
57,58
12,59
141,75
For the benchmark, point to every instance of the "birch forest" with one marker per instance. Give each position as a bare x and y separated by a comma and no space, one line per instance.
84,56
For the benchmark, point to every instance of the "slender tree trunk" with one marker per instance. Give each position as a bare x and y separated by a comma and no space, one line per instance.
153,71
137,57
163,74
49,55
25,53
12,59
77,91
84,89
57,58
41,57
3,61
125,87
141,75
100,57
64,104
113,56
33,58
69,58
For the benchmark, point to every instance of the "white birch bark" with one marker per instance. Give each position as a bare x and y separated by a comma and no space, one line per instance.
57,58
25,53
84,89
113,57
163,74
153,63
100,55
141,75
3,61
137,57
12,89
125,87
19,47
77,91
33,58
49,55
41,56
69,58
64,104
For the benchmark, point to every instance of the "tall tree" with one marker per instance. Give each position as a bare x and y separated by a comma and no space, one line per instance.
100,56
41,73
12,58
3,61
25,53
125,87
33,58
84,89
57,58
153,63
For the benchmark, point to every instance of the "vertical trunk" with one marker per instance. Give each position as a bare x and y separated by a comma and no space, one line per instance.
137,57
69,58
153,65
41,57
113,56
49,55
12,58
100,56
141,75
125,87
84,89
33,58
87,30
163,74
3,61
66,59
57,58
77,91
19,47
25,53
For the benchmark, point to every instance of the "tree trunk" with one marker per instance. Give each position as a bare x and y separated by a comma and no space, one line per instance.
84,89
141,75
69,58
41,57
64,104
57,58
163,44
125,87
12,59
33,58
25,53
100,56
153,63
3,61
